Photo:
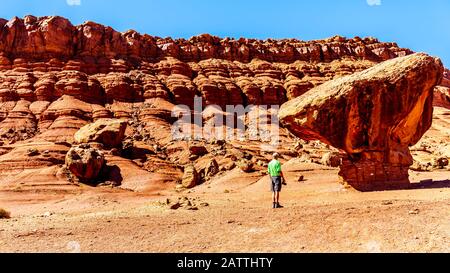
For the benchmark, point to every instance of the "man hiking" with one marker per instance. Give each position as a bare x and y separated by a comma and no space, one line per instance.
277,178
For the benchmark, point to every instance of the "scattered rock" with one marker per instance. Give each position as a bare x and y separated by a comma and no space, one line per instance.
193,157
175,206
47,214
301,178
33,152
197,150
414,211
137,137
232,157
182,202
230,166
247,156
261,163
219,142
386,203
421,166
441,162
115,151
331,159
305,158
298,146
109,183
212,168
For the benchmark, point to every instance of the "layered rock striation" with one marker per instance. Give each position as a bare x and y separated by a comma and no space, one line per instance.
92,46
42,59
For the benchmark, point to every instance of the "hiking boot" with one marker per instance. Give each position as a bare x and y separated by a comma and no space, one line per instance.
279,206
274,205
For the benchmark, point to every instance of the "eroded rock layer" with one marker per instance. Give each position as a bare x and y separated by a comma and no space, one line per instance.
43,58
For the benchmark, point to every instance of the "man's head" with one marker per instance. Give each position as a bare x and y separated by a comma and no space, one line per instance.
276,156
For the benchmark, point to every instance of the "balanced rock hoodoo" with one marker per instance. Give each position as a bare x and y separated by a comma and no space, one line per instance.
373,115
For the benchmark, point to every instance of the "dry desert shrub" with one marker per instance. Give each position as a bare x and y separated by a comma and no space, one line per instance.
4,214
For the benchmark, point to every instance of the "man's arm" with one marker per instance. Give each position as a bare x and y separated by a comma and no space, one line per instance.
282,177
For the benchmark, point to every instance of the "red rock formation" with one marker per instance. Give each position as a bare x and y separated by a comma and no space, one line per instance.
373,115
85,162
56,77
226,70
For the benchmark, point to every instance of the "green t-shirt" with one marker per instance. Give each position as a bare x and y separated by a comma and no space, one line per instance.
274,168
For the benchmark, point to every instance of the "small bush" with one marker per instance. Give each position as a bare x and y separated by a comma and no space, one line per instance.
4,214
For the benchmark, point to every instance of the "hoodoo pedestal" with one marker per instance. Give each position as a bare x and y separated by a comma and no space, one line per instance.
368,174
374,116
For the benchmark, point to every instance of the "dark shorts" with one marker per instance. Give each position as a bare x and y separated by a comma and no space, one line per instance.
276,183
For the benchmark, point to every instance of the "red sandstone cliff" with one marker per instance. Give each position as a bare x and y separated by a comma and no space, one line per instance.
44,58
44,38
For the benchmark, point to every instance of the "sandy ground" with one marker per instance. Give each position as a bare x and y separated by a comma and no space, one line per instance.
319,216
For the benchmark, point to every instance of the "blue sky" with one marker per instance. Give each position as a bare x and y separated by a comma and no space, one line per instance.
419,25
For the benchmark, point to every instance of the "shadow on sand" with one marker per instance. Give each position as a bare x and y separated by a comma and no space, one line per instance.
430,184
111,175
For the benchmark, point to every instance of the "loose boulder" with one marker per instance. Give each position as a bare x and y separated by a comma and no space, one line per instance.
197,150
109,132
441,162
212,168
85,162
373,115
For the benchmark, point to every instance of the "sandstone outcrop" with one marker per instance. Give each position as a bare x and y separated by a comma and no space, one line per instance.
441,162
373,115
109,132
